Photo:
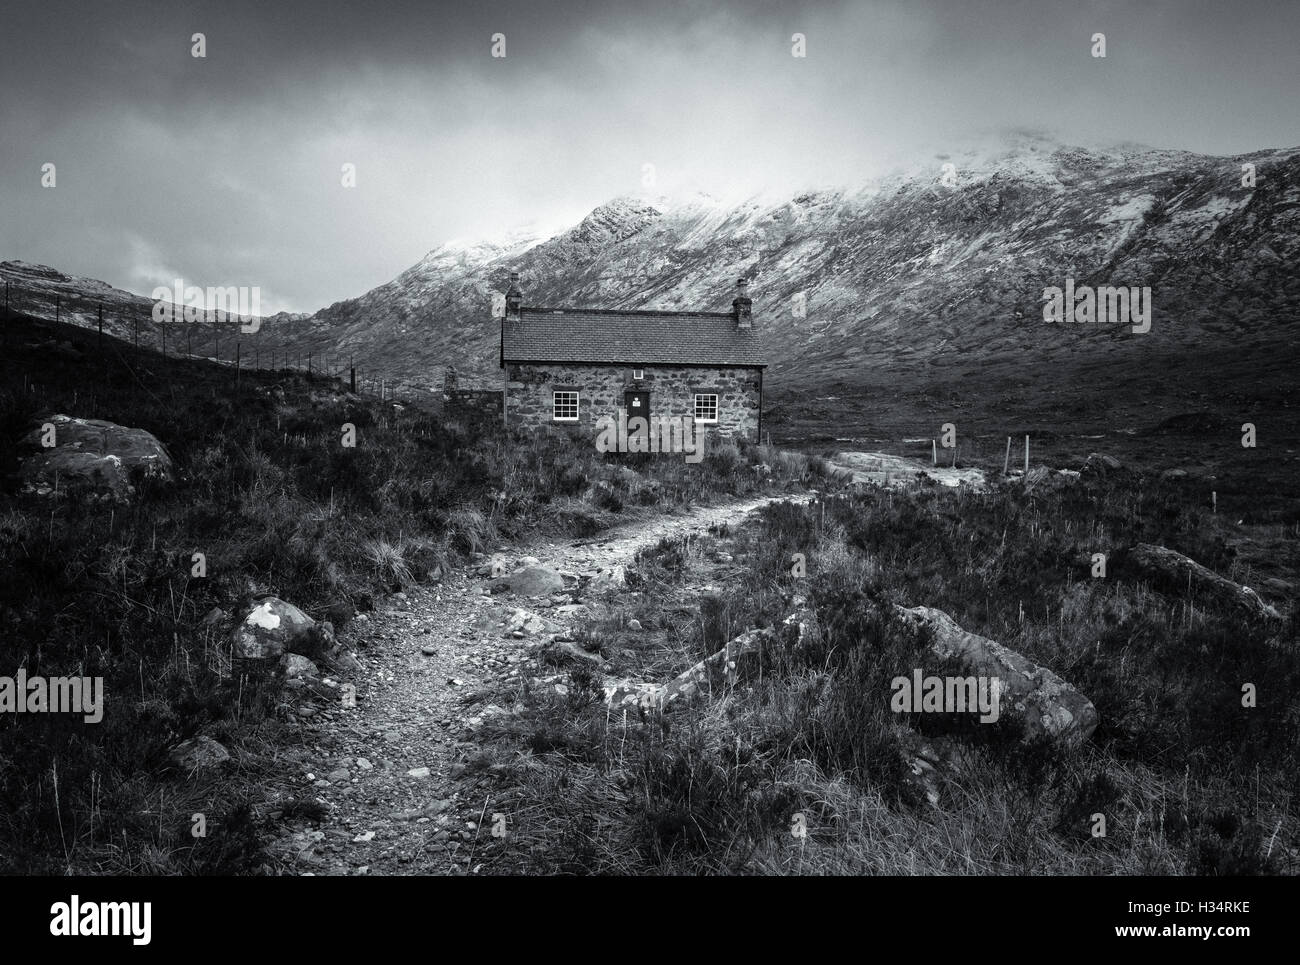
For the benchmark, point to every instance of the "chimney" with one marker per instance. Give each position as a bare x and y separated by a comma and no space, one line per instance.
514,298
741,305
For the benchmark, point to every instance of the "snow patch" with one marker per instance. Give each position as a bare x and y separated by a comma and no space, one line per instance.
264,618
1131,211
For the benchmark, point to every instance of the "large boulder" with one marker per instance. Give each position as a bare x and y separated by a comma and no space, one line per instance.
1047,705
1182,574
714,674
273,628
90,455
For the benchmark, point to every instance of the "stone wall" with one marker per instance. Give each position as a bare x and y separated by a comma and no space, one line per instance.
473,405
478,405
672,390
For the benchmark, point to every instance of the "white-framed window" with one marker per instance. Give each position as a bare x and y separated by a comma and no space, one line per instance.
564,404
638,374
706,407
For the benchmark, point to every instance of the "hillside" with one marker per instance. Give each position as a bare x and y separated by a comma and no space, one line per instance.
914,290
264,487
898,274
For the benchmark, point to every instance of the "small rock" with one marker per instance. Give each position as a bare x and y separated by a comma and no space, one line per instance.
338,775
419,773
345,662
339,613
1099,464
363,838
274,628
429,650
197,753
364,764
295,666
634,625
616,576
531,580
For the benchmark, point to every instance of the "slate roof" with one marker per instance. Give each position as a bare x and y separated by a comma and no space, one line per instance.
615,337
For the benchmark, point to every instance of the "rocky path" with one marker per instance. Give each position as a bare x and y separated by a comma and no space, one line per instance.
384,773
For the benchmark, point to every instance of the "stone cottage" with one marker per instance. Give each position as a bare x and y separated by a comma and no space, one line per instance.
573,367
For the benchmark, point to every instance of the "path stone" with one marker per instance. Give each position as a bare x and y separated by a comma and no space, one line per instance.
531,581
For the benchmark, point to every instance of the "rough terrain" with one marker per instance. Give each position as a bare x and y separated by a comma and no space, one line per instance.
384,773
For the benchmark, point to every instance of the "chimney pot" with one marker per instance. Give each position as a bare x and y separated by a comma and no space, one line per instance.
514,297
742,305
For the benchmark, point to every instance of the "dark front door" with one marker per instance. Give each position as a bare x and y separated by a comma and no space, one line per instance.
637,404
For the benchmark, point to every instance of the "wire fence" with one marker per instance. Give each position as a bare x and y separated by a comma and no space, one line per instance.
215,336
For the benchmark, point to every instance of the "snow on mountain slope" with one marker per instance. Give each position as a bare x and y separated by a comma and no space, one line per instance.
924,267
908,270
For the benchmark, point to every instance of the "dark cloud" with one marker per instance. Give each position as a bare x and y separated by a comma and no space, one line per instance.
227,170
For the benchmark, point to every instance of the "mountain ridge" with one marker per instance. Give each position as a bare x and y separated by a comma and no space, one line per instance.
924,267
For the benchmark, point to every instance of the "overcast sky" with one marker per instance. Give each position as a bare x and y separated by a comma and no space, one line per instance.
227,170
